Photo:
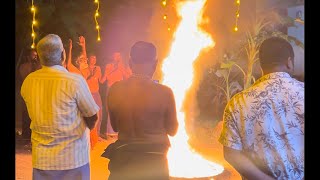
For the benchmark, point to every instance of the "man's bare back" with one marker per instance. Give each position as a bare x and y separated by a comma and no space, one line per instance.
144,114
142,110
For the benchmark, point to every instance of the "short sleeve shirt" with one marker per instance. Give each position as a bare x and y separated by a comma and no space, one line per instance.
266,121
57,101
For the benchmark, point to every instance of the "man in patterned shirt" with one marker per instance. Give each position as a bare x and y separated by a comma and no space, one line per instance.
62,110
263,126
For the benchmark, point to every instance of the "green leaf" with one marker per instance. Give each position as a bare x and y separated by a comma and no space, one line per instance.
227,65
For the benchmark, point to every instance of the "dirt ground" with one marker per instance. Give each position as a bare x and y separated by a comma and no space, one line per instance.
98,165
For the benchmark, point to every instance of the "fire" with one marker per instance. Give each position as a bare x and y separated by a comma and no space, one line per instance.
178,74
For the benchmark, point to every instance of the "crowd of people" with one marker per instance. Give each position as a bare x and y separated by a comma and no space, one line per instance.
85,66
263,126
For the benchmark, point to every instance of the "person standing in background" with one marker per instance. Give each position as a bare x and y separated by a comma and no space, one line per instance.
30,65
93,74
114,72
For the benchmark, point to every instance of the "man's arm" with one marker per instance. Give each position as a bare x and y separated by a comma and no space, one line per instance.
82,43
96,74
233,144
91,121
171,119
244,165
70,66
83,61
86,103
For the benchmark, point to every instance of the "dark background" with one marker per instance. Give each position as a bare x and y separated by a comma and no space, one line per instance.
122,22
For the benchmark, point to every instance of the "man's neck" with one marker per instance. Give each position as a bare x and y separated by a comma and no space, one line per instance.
276,69
141,76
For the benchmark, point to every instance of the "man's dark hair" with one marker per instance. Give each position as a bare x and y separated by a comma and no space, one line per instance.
275,51
143,52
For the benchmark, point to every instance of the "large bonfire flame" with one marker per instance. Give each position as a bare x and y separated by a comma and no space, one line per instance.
178,74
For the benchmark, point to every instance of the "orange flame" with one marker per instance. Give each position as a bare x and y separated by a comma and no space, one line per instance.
178,74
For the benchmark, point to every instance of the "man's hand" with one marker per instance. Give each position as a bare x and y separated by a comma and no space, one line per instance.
91,121
82,41
244,165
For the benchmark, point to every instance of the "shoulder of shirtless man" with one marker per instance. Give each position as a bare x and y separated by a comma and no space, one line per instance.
143,107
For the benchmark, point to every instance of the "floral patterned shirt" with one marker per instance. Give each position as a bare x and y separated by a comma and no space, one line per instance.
266,122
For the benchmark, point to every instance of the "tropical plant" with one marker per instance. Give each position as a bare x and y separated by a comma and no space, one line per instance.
228,86
238,68
264,27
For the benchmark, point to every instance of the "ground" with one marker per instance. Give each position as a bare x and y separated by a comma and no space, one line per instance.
211,151
98,164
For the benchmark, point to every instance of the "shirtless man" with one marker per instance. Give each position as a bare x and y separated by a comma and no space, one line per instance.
93,74
144,114
114,72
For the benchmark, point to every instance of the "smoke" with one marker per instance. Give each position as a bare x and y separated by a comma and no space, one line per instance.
125,22
191,103
158,32
162,38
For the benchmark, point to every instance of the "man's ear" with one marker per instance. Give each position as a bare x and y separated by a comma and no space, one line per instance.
63,56
290,63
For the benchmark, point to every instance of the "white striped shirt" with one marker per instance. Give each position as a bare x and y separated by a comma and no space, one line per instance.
57,101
